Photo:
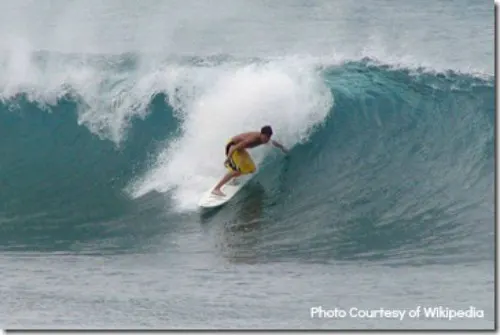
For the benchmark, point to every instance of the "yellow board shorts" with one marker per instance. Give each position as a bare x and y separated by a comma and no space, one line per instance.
240,161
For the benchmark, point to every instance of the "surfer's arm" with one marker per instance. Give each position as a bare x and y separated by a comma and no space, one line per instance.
237,146
279,145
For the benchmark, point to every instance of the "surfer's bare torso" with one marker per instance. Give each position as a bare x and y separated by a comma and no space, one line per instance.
247,140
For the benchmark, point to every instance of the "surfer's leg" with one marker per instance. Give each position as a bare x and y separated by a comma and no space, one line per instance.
234,169
224,180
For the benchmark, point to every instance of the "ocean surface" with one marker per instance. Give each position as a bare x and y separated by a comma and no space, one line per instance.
113,120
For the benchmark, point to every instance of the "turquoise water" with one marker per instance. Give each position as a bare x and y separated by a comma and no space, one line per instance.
113,122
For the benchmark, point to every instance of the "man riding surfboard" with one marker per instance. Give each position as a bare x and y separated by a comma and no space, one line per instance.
238,160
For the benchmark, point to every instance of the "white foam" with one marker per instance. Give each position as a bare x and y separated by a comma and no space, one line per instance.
154,30
288,95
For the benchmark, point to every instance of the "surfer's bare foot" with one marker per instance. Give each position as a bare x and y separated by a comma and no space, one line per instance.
218,192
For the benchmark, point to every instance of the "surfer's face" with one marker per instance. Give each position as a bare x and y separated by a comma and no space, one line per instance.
265,138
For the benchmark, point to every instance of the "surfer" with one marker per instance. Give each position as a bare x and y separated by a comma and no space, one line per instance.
238,160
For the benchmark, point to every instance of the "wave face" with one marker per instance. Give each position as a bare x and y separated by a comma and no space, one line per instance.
113,120
403,168
385,160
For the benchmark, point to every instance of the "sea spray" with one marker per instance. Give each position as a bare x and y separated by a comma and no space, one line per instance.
290,96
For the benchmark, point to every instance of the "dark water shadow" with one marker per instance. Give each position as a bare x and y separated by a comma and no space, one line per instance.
236,227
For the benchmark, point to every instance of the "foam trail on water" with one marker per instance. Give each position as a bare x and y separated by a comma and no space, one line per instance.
217,103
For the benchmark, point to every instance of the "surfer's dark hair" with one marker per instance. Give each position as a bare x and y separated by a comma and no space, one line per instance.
266,130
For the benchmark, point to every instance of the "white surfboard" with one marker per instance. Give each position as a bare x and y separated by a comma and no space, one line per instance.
210,200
